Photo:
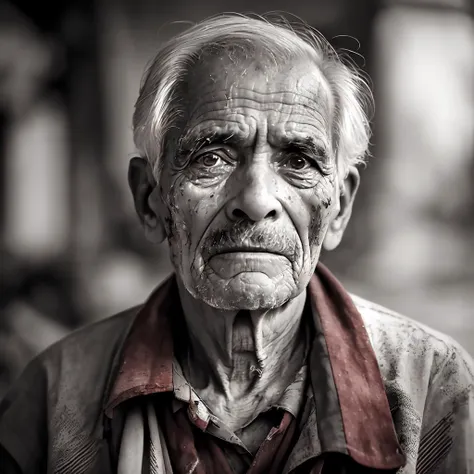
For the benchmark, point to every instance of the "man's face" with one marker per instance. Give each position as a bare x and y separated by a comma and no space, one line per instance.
251,185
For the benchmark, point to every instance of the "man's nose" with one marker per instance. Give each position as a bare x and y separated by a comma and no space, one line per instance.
256,198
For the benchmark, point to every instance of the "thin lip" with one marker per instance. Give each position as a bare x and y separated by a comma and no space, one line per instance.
245,250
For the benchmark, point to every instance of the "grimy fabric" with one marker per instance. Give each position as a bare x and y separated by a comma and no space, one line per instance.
147,368
388,395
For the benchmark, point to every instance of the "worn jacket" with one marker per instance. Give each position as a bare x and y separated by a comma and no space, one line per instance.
390,394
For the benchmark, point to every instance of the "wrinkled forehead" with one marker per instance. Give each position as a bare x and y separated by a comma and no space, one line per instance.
296,87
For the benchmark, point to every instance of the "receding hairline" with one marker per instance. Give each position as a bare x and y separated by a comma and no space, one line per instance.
208,65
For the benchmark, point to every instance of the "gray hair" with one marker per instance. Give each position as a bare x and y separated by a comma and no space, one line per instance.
157,109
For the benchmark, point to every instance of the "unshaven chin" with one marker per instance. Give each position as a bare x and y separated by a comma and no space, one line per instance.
247,290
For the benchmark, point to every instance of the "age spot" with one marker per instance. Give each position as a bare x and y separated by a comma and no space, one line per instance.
327,202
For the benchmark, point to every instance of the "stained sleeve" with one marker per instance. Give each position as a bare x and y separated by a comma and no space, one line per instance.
447,437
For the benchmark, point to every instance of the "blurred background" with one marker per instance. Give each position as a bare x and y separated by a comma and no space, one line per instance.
72,251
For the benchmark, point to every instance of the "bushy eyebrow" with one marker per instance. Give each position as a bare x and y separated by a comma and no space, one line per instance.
307,147
304,146
191,144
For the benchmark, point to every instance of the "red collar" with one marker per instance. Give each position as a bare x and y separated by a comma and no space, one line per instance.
354,406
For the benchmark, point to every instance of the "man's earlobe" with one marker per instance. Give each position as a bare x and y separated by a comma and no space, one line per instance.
146,199
348,191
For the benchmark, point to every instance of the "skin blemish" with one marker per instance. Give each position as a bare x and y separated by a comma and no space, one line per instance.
315,229
230,120
326,202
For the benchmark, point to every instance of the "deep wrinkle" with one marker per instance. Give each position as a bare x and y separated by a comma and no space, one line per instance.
250,188
230,132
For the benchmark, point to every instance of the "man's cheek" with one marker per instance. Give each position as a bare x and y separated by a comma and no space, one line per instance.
318,228
179,235
323,210
316,224
178,207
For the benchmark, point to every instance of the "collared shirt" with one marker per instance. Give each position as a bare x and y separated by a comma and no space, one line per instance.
239,453
347,388
388,392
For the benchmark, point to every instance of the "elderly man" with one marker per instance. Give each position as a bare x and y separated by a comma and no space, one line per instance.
251,358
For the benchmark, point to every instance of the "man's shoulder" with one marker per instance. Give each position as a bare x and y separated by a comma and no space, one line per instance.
60,394
94,341
429,382
112,325
380,318
404,346
84,356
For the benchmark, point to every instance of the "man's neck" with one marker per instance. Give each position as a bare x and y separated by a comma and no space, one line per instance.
238,356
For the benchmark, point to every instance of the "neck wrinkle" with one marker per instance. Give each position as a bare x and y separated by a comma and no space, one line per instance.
211,359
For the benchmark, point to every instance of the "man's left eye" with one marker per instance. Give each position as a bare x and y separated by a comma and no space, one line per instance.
208,159
296,163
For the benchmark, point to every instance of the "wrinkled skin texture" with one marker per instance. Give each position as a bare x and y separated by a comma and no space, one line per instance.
248,195
253,169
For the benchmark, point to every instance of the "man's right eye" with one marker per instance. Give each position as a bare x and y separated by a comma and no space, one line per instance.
208,159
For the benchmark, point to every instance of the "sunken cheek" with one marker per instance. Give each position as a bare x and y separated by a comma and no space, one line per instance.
197,206
319,205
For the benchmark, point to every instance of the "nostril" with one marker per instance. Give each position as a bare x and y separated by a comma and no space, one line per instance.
239,214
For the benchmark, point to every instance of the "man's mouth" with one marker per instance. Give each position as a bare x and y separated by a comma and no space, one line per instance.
233,261
245,249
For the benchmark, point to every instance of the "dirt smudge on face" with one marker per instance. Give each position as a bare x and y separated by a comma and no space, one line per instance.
314,233
326,202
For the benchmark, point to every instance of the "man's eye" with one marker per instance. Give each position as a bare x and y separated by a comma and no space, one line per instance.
208,159
296,162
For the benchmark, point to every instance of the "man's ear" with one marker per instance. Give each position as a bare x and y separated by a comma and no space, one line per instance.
347,193
146,198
